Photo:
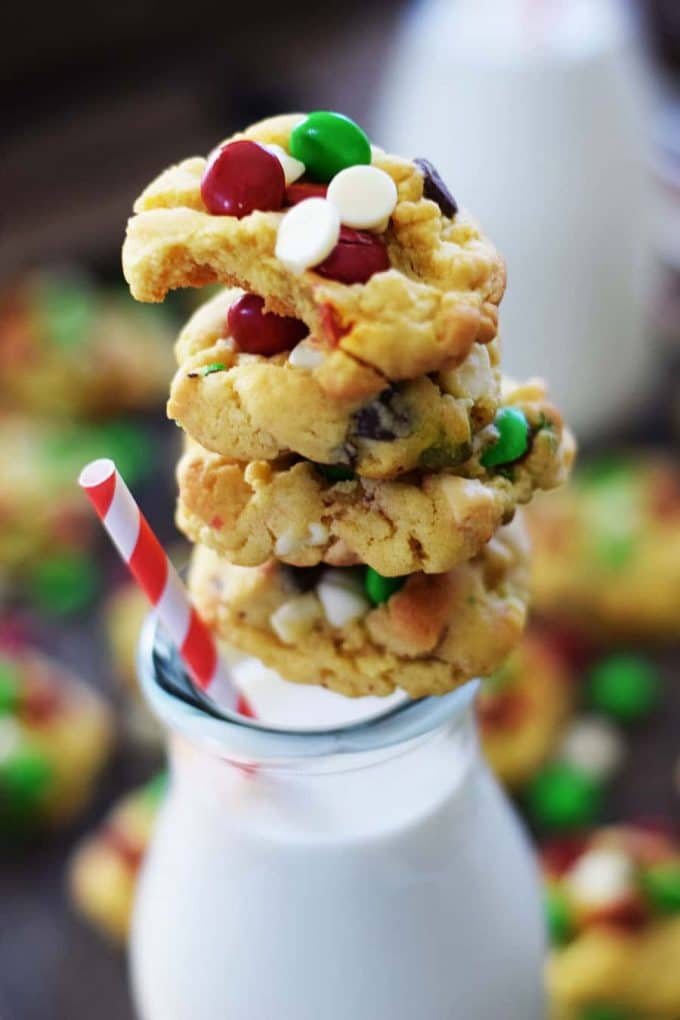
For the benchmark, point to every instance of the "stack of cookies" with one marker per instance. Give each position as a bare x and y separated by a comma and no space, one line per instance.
354,459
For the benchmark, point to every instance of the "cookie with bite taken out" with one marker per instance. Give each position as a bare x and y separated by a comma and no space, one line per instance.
367,249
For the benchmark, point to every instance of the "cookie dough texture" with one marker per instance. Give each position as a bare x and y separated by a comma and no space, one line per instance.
263,408
607,550
522,710
439,297
436,632
425,522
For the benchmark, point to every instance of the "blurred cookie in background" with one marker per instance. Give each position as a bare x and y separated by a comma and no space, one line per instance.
607,549
70,347
104,868
55,736
613,908
523,709
46,526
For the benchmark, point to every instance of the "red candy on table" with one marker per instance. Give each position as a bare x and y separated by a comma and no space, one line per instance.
301,190
355,258
240,178
259,332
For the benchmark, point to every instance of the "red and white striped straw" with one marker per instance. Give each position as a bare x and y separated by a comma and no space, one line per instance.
138,546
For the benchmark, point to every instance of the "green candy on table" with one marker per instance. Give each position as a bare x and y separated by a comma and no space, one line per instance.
600,1011
26,776
70,447
661,886
513,438
327,143
378,588
625,687
156,788
561,797
10,687
558,917
64,583
67,310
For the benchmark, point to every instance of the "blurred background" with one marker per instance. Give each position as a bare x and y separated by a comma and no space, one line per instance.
557,122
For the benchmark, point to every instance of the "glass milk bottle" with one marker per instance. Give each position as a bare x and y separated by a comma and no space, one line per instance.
372,870
534,113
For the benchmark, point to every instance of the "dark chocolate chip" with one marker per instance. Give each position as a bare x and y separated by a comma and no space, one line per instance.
435,189
383,419
301,579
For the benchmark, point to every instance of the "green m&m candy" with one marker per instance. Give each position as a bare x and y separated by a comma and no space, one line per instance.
328,143
10,687
64,583
661,886
558,917
25,779
602,1011
379,588
156,788
336,472
625,687
561,797
67,308
513,438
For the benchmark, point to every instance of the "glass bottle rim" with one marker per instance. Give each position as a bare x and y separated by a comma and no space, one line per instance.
170,694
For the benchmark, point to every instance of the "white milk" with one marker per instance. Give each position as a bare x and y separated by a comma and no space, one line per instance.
533,113
393,884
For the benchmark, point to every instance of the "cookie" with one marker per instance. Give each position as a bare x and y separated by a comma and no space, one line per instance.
70,348
426,521
104,868
358,633
408,296
55,736
613,903
607,549
252,407
522,710
41,509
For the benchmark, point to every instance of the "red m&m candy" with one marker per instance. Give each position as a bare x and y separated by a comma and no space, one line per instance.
259,332
241,177
301,190
355,258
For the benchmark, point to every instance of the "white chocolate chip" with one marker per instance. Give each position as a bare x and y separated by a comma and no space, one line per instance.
593,745
292,167
318,533
285,544
295,618
342,597
307,234
306,355
10,738
601,877
364,196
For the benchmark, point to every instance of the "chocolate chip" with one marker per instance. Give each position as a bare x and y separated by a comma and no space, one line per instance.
383,419
435,189
301,579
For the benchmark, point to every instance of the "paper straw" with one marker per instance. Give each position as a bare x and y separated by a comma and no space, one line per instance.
138,546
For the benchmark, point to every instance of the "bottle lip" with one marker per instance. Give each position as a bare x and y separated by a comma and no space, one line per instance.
168,691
